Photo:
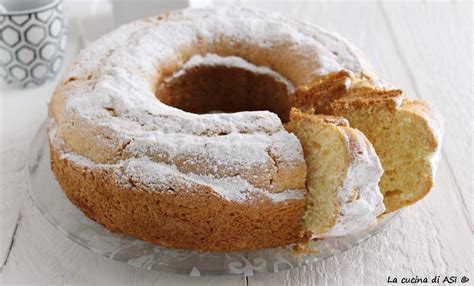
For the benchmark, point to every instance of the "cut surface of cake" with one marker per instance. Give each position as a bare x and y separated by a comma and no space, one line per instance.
343,175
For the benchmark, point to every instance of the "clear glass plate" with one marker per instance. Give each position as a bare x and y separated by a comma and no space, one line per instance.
54,205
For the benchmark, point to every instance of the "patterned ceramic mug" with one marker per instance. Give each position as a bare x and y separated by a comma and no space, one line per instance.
32,42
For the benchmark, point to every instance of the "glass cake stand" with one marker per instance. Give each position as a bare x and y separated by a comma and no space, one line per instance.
62,214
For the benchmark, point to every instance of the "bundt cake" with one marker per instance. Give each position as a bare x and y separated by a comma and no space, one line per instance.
169,129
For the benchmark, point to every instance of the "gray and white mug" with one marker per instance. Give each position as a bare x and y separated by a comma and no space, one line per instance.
32,42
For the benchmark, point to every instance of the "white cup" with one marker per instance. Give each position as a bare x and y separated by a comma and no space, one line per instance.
126,11
32,42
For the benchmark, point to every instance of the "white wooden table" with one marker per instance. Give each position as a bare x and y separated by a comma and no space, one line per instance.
424,48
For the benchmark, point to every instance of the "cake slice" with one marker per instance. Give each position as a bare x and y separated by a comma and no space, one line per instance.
343,174
405,133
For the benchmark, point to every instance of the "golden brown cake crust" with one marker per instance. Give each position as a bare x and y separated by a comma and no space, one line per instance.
341,90
164,217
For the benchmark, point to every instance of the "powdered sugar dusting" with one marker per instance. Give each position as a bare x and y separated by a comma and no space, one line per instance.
160,176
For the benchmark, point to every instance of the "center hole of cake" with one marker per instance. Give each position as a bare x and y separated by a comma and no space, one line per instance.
214,84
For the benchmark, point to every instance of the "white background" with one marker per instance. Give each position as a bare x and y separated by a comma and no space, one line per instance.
425,48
